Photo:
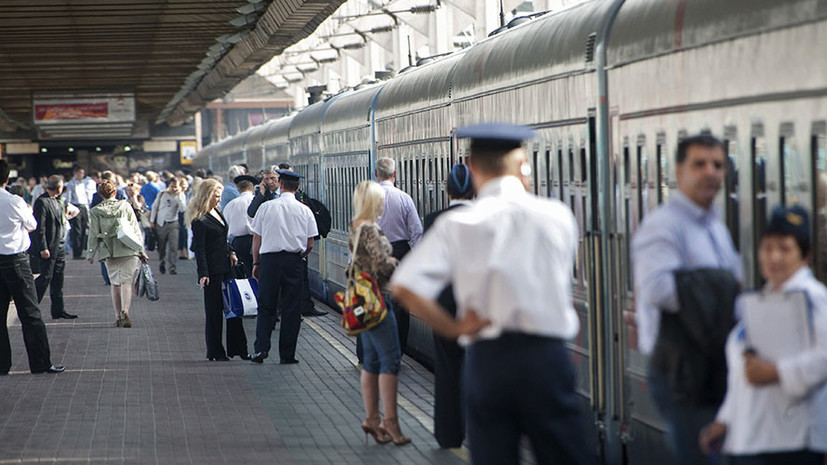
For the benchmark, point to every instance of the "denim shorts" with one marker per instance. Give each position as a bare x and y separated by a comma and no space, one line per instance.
382,353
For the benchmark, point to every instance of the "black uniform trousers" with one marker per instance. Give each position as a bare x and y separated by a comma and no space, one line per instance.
78,235
403,318
214,311
306,299
280,275
51,276
523,384
449,415
16,282
243,246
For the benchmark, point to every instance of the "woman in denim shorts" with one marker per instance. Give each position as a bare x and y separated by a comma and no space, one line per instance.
382,354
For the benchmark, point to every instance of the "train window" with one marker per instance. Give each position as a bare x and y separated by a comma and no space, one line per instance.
627,215
561,197
643,178
663,172
818,155
570,181
759,192
789,165
548,174
535,173
584,172
731,188
432,186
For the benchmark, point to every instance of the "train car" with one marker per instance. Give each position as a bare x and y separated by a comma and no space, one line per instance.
413,120
347,138
744,72
254,147
305,142
277,141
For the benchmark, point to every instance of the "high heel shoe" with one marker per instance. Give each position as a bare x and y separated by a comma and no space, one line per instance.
391,427
379,434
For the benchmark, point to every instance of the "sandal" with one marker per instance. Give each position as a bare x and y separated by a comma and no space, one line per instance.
391,426
372,427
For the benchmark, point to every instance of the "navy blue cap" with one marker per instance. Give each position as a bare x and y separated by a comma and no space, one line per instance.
246,177
497,133
459,180
789,221
289,175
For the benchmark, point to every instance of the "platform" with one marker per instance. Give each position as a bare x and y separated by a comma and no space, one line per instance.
147,395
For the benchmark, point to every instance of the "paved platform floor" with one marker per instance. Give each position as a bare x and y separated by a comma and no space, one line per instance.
147,394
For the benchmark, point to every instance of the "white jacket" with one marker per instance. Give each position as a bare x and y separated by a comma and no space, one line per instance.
792,414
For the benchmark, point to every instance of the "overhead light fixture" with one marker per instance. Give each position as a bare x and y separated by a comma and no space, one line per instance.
43,150
127,148
377,30
97,149
353,46
326,60
71,149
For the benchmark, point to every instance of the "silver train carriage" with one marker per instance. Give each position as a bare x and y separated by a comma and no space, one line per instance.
610,87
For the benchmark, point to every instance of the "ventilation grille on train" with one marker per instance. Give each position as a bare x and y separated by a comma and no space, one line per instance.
590,47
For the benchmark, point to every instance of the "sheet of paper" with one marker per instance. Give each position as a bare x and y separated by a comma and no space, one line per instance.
778,324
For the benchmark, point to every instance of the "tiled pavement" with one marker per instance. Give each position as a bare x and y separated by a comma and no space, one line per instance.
147,395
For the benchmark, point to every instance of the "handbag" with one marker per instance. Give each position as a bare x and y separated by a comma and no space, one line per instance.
240,294
146,284
361,302
128,236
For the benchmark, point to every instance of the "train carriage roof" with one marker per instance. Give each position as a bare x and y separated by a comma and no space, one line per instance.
419,88
647,28
309,120
350,110
554,44
278,131
235,145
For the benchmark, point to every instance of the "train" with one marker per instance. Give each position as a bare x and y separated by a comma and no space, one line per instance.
610,88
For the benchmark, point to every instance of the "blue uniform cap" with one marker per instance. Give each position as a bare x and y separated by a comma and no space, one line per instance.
497,133
459,180
246,177
790,221
289,175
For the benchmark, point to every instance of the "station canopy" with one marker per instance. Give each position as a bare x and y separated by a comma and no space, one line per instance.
69,68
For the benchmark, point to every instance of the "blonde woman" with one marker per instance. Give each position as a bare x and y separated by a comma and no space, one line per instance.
121,260
214,257
381,349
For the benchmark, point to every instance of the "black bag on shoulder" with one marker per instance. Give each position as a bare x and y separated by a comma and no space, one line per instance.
321,213
689,349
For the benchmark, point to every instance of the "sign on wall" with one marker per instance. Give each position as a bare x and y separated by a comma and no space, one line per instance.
187,148
83,108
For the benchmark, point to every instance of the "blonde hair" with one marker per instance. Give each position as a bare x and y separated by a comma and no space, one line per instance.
368,202
199,205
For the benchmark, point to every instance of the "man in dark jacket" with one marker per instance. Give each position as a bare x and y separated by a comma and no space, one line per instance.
48,242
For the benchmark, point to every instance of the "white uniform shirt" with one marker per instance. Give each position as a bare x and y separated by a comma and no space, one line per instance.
235,212
509,256
16,220
284,225
790,415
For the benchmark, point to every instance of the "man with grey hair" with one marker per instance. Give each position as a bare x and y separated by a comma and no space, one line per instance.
230,190
48,243
267,190
401,224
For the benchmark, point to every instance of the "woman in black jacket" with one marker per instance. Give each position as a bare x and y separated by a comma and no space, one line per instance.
214,257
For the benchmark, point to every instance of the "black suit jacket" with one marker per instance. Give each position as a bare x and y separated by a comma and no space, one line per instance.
259,199
50,229
209,242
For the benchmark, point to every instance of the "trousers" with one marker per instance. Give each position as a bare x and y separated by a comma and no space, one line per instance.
17,283
168,244
520,384
78,234
51,276
280,275
214,312
243,246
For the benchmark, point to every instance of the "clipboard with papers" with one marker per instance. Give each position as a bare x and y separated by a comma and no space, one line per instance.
778,325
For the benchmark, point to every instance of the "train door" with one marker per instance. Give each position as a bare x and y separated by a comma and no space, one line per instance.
761,186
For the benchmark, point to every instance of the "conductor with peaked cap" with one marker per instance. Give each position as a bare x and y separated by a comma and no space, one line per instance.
509,256
283,232
239,232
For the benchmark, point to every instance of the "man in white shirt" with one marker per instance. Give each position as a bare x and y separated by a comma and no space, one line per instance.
17,282
75,193
283,232
164,219
509,256
239,231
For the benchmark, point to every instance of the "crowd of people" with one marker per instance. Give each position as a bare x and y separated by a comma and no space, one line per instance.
501,316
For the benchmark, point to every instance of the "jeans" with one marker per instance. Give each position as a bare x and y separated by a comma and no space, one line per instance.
16,282
380,346
683,422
